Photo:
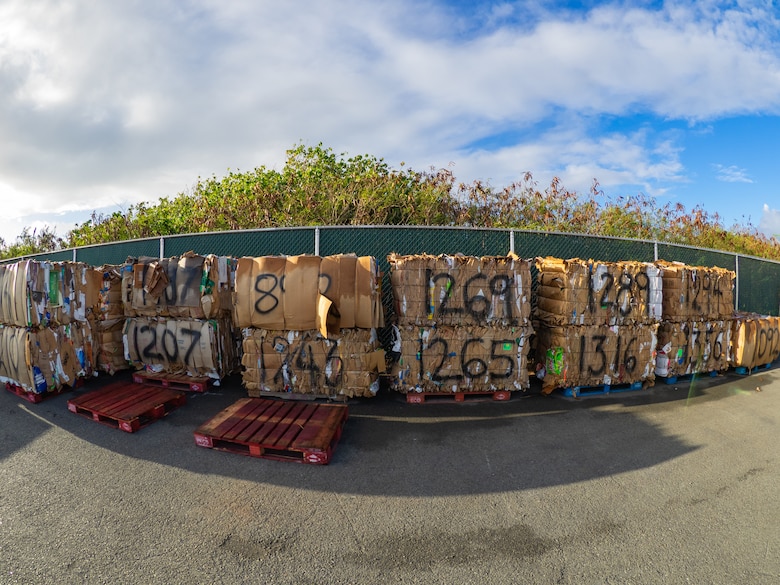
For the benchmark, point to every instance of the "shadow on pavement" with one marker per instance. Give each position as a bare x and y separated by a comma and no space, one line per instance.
390,448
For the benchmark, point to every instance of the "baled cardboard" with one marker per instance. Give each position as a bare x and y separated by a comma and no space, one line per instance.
693,347
462,359
595,355
587,292
461,290
755,340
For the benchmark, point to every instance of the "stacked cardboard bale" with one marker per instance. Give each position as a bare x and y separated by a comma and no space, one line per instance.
45,335
597,322
698,307
755,340
177,315
309,324
108,322
463,323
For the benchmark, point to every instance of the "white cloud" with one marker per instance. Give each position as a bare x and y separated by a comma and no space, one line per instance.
770,222
731,174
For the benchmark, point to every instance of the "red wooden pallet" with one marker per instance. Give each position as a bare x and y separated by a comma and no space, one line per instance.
127,406
276,429
30,396
178,381
421,397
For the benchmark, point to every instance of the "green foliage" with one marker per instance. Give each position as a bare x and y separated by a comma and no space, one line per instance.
318,187
31,242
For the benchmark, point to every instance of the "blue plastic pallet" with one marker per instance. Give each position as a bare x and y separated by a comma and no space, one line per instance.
674,379
580,391
743,371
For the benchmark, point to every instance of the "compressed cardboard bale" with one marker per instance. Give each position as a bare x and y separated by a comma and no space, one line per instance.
195,347
693,347
190,286
755,340
696,293
37,294
287,293
450,359
36,359
588,292
110,354
595,355
305,362
461,290
109,308
16,359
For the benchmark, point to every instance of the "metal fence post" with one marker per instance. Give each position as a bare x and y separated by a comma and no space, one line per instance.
736,272
162,247
74,255
655,250
317,241
511,241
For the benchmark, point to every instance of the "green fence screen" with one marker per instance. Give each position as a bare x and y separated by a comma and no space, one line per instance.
758,281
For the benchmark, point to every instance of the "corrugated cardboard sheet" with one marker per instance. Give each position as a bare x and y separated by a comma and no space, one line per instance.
196,347
305,362
34,294
108,322
45,359
285,293
587,292
693,347
462,359
595,355
461,290
110,355
755,340
697,293
190,286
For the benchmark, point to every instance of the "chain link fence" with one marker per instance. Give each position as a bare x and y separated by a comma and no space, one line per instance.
757,289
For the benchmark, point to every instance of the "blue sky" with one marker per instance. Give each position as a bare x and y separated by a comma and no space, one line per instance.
103,105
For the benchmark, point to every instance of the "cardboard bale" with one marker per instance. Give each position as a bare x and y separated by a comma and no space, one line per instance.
462,359
110,354
288,293
36,294
305,362
755,340
696,293
190,286
38,360
588,292
693,347
195,347
595,355
16,359
109,307
461,290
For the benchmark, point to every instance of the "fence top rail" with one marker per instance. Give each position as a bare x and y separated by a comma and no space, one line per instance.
413,227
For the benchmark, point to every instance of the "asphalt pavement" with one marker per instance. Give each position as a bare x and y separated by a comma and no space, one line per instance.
674,484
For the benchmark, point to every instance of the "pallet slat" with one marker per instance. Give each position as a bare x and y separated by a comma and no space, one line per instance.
274,429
